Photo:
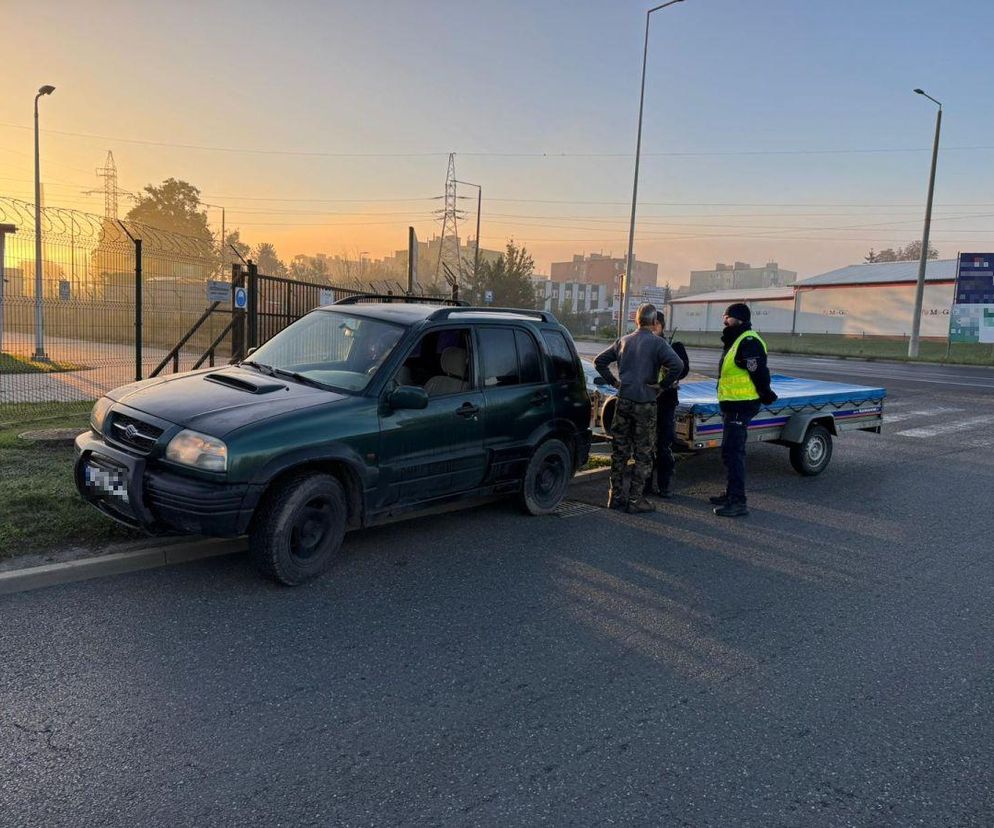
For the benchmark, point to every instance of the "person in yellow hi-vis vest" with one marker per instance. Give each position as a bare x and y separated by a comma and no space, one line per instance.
743,387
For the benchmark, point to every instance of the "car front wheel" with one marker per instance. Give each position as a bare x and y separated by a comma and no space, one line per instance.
298,531
546,478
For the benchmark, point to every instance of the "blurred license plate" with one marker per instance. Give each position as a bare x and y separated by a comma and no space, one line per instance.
110,482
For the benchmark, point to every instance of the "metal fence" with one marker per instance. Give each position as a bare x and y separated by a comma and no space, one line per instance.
114,301
68,327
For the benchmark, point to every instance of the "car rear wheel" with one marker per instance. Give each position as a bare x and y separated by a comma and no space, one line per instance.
607,413
298,532
812,456
546,478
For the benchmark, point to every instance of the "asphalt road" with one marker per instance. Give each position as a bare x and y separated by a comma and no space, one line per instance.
826,661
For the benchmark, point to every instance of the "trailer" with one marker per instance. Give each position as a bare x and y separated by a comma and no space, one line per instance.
805,418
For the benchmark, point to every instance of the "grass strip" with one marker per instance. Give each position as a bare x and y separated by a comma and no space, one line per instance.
40,509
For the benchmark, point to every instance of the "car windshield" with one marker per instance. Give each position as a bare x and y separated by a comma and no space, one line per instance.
329,348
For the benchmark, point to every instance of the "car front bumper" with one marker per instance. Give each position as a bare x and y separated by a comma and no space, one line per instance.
128,489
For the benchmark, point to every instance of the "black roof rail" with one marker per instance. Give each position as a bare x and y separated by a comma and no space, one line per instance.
445,313
402,298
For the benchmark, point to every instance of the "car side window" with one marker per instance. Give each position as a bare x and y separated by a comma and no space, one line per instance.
500,358
564,367
529,358
441,363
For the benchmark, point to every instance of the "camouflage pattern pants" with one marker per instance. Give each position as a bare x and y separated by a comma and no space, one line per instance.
634,433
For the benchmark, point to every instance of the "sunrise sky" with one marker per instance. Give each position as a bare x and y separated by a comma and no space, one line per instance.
775,129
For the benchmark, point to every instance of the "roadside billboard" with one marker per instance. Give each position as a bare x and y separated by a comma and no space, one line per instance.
972,317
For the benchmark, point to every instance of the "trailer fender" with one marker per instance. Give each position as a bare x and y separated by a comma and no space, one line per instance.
797,426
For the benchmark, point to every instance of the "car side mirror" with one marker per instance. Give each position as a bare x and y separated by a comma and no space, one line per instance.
408,397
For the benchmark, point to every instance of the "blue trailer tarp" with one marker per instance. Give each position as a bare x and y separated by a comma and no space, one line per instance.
701,398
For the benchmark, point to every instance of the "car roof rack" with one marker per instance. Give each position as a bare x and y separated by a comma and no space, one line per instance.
445,313
402,298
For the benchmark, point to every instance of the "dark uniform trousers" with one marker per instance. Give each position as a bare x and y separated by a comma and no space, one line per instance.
634,433
736,417
665,430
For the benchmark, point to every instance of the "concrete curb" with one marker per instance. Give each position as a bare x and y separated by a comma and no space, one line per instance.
116,563
155,553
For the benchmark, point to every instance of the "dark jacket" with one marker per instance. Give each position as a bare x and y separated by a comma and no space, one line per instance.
670,397
639,355
751,356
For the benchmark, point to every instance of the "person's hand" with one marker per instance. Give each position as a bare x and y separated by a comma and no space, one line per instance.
768,397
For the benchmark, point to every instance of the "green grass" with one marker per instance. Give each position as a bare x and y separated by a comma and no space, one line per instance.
878,347
14,364
597,461
40,509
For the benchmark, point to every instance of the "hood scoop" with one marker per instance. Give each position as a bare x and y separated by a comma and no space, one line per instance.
260,387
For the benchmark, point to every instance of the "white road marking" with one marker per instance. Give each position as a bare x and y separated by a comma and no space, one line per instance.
922,412
947,428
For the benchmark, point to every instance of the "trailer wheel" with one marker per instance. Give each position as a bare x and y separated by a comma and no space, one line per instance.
811,457
607,414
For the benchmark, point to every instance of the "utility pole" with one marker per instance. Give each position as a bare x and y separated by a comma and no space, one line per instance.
479,206
916,322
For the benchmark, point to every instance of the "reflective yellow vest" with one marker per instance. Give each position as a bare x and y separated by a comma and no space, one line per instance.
735,383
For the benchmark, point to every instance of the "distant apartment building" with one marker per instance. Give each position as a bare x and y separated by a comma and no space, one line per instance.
598,269
577,297
738,276
430,249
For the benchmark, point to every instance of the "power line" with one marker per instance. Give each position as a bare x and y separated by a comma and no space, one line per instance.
490,153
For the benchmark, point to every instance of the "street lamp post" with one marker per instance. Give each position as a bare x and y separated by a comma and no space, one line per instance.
630,259
916,322
479,205
39,317
224,238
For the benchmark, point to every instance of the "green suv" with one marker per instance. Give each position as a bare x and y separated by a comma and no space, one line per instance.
353,415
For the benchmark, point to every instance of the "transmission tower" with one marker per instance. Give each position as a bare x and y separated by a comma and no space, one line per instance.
449,264
108,172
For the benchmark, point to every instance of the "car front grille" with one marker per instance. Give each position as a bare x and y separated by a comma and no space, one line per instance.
133,433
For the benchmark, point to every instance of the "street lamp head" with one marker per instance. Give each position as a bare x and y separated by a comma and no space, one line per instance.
46,90
925,94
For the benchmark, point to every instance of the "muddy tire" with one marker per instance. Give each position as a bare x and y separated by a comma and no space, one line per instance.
297,533
546,478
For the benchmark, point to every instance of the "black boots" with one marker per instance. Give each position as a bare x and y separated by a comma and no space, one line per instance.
640,506
731,510
615,502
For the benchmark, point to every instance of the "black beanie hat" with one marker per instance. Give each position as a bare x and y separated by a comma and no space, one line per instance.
739,311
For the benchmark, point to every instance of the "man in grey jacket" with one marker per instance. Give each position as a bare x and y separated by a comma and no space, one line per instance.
639,356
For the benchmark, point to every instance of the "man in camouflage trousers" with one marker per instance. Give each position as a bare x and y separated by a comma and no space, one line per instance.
639,356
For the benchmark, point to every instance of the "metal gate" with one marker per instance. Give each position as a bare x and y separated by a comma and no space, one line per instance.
271,303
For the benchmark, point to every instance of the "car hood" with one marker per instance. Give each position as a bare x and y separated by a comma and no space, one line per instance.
217,401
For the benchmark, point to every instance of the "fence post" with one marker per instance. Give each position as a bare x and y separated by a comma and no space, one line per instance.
238,328
139,311
253,304
139,315
4,230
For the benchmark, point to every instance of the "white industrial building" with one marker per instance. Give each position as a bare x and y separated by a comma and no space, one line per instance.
772,309
876,299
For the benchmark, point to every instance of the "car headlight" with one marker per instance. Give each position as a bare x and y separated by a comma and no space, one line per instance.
99,413
201,451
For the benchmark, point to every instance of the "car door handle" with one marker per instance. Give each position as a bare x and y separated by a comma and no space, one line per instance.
539,397
467,410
